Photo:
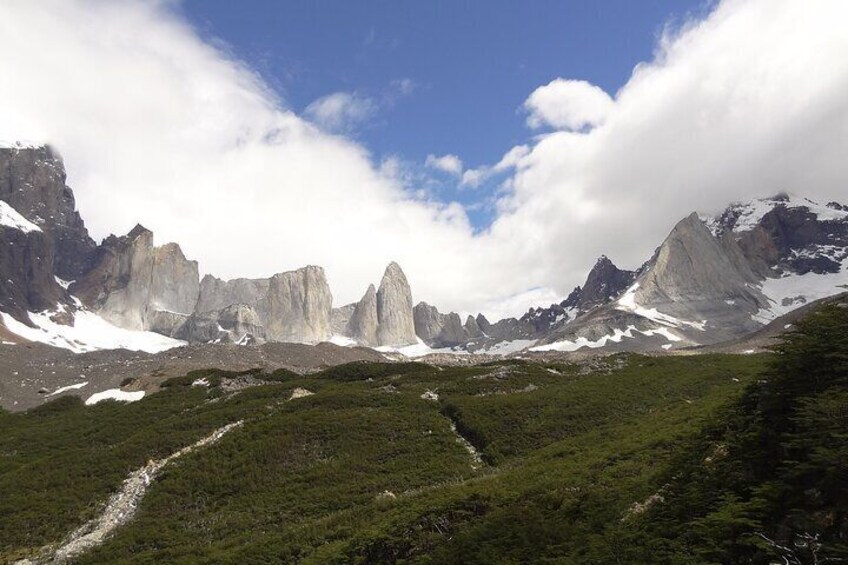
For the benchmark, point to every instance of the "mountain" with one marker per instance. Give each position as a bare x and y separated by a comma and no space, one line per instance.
617,459
131,280
384,316
32,181
713,279
718,278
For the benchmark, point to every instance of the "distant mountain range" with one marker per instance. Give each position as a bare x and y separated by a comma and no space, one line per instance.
713,279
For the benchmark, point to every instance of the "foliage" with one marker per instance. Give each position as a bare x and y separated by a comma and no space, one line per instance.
643,460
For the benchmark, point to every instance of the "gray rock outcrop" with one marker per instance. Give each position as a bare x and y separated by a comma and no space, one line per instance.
32,181
693,277
27,283
297,306
237,323
364,322
132,280
394,309
216,294
442,330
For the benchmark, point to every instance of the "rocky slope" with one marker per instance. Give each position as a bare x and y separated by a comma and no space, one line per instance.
26,263
720,278
32,181
292,306
132,280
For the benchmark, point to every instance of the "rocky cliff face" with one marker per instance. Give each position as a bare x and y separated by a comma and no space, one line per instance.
363,322
604,283
297,306
216,294
237,323
27,283
32,181
294,306
395,324
384,316
131,280
694,277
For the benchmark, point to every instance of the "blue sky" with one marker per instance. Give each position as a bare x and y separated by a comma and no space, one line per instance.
470,65
166,116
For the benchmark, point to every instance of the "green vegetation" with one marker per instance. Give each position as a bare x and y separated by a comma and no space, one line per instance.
366,470
767,481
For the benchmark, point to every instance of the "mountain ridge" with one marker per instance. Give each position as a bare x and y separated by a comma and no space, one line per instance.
713,278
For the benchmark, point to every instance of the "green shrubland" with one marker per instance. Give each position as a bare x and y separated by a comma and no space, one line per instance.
700,459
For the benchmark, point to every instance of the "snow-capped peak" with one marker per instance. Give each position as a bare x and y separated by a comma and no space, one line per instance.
745,216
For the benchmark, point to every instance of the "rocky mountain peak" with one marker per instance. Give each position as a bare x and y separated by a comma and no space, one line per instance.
363,322
297,306
604,282
131,280
139,231
32,181
394,308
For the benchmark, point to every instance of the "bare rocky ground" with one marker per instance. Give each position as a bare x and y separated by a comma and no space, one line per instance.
30,372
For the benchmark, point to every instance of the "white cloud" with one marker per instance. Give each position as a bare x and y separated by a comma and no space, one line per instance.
159,127
475,177
341,111
748,102
567,104
450,164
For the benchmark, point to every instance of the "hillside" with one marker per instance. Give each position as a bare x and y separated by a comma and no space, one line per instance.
633,459
365,469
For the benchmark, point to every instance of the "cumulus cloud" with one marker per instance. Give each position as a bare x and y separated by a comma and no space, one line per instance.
341,111
159,127
450,164
744,103
567,104
475,177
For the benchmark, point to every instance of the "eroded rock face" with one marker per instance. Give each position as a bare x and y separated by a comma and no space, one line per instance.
363,322
26,265
237,323
394,309
428,322
32,181
693,277
604,283
216,294
443,330
131,280
297,306
340,318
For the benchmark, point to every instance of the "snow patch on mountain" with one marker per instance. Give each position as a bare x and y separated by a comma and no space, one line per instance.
90,332
343,341
114,394
67,388
615,337
507,347
419,349
10,218
793,291
627,303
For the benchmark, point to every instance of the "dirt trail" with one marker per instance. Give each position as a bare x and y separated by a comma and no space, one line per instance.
121,506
